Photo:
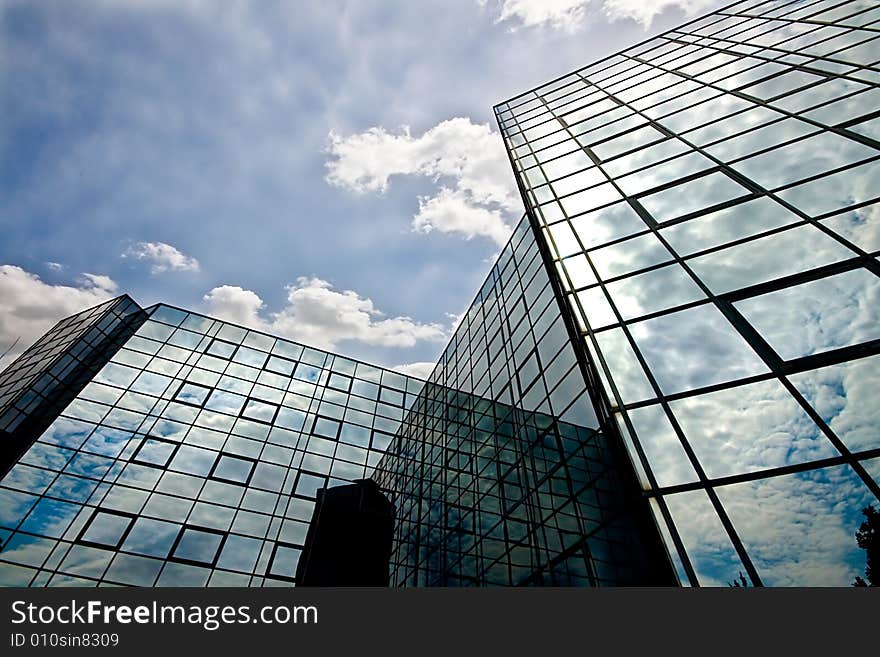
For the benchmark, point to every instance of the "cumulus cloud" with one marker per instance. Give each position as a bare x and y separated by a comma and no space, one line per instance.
55,266
419,370
163,257
29,307
452,212
319,315
469,156
570,15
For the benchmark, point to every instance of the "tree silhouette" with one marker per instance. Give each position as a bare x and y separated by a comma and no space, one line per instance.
868,538
741,583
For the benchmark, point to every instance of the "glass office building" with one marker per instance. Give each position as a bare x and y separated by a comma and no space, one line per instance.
670,376
502,472
708,199
189,456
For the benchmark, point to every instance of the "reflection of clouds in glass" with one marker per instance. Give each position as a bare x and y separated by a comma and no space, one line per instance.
817,316
13,507
661,446
872,466
836,191
838,111
27,550
694,348
733,124
781,84
789,252
50,517
847,397
749,428
67,432
74,489
799,529
26,478
653,291
564,242
629,255
87,561
727,225
861,226
628,376
610,223
692,196
707,544
715,108
759,139
645,157
802,159
117,375
869,128
664,172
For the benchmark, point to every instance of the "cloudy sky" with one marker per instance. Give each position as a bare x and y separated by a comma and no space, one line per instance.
327,171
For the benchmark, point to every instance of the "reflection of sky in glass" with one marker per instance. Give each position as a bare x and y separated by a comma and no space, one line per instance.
847,397
800,529
749,428
694,348
757,426
708,546
813,317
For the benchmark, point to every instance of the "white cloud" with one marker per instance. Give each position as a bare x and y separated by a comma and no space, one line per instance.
565,15
29,307
452,212
55,266
570,15
644,11
419,370
163,257
98,282
320,316
471,156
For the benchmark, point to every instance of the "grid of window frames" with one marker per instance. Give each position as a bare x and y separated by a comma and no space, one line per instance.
709,198
499,473
192,458
53,359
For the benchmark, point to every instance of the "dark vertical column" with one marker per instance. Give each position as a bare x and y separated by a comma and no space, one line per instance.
349,539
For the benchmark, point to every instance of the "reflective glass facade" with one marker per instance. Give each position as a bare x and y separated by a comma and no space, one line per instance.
709,201
192,458
501,473
670,375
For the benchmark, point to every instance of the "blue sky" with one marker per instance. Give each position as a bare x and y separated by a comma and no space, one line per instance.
327,171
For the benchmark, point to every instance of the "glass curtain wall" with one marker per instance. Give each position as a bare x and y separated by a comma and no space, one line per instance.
192,458
709,201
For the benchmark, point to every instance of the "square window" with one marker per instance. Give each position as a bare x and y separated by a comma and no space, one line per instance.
306,372
240,553
308,485
284,561
193,460
199,545
251,357
326,427
192,394
225,402
155,451
280,365
233,469
107,529
153,538
339,382
222,349
391,396
260,411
